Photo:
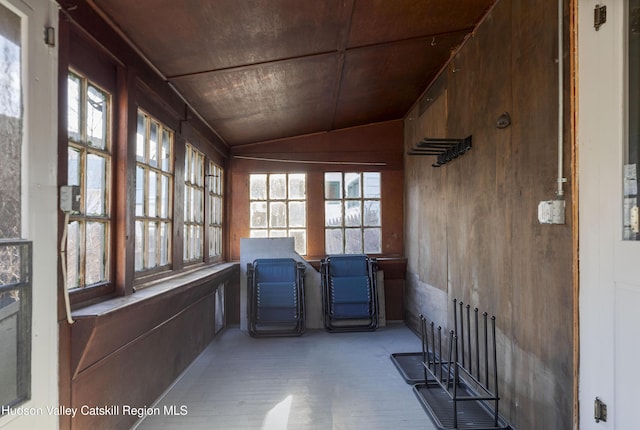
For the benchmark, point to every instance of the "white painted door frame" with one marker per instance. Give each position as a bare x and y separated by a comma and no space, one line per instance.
39,205
609,305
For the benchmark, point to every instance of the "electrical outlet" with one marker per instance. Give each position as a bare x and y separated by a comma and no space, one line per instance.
551,212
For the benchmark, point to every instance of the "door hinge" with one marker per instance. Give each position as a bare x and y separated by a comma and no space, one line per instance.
599,16
50,36
599,410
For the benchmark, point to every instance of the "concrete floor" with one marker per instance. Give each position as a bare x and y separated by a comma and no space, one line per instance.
319,381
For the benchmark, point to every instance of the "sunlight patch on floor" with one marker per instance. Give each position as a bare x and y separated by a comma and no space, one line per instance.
278,417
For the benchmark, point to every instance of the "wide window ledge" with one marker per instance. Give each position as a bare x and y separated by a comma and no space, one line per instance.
153,289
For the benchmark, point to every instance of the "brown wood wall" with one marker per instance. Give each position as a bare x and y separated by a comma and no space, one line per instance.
132,354
471,226
376,147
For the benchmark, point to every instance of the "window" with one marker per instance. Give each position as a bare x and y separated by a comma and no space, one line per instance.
631,211
89,167
215,209
352,213
278,207
193,204
15,254
154,194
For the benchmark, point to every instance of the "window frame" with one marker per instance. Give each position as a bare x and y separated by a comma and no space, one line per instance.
84,150
286,200
145,217
215,214
194,183
343,200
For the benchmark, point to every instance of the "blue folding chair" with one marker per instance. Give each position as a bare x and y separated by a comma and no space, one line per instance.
275,297
350,301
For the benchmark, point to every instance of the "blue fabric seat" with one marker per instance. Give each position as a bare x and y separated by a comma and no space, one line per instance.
275,297
349,292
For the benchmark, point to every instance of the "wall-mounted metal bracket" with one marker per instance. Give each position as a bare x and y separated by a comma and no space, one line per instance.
599,16
445,149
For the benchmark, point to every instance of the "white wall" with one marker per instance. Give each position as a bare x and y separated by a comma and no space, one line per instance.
40,71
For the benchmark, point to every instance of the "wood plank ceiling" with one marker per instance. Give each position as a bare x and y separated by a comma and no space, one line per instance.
258,70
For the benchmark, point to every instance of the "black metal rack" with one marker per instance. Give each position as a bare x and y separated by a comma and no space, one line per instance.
459,393
445,149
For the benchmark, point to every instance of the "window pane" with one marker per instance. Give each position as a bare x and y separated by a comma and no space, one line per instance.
10,125
258,214
141,152
353,241
166,151
96,185
297,186
258,187
258,233
95,251
96,118
278,186
153,144
187,163
73,167
300,237
372,241
185,248
198,206
152,240
73,255
277,233
277,214
140,191
333,185
15,308
193,167
352,185
74,91
333,213
198,243
297,214
153,194
214,241
165,230
372,213
631,181
217,211
333,241
139,245
352,213
187,206
164,196
371,185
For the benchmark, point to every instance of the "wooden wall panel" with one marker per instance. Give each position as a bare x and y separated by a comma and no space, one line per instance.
131,354
542,259
377,147
425,211
498,256
137,374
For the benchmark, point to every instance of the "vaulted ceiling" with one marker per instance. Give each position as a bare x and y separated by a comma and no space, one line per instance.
259,70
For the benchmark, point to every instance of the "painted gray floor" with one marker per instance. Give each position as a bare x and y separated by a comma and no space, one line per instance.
320,381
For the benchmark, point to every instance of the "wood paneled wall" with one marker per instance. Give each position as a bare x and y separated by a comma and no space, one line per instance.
132,352
471,226
377,147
